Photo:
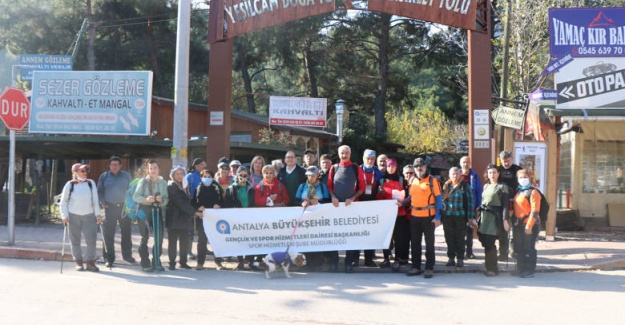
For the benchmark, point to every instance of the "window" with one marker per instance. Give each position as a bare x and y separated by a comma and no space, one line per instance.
241,137
603,165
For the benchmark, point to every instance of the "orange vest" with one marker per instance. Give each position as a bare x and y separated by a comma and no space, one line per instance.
422,196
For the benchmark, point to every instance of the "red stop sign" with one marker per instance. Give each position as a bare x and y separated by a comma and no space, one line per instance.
14,109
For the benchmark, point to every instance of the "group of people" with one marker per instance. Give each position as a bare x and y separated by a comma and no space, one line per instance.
461,204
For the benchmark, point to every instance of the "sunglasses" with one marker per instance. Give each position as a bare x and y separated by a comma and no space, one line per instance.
243,176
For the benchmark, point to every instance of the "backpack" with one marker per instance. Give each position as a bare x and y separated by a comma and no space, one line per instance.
130,206
544,205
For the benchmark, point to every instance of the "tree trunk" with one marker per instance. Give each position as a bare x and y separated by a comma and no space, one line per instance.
247,81
158,78
91,34
383,64
313,90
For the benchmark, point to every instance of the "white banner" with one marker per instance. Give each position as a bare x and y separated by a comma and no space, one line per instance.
298,111
255,231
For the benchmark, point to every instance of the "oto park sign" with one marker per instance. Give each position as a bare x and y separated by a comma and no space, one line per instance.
14,109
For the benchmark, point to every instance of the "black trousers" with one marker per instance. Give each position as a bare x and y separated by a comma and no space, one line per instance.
401,239
145,226
525,247
421,227
109,226
490,251
455,232
504,240
469,240
175,236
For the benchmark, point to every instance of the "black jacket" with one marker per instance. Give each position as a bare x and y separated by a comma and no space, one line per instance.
179,209
231,200
208,196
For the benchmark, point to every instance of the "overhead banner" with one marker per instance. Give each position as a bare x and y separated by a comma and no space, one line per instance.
457,13
244,16
253,231
298,111
91,102
591,83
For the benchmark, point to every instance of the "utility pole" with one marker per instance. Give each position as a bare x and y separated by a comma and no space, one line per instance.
505,134
91,35
179,152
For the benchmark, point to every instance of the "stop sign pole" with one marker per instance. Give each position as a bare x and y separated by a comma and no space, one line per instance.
15,113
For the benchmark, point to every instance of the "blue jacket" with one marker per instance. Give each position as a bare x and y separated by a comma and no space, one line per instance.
476,184
194,180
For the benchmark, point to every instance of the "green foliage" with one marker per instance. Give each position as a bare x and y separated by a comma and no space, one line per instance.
269,136
425,130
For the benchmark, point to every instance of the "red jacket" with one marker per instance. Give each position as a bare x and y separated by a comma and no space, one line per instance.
389,186
263,190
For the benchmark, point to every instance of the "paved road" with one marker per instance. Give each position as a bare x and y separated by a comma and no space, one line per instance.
34,292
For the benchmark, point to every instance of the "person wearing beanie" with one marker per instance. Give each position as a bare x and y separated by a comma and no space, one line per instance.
178,217
80,211
194,180
372,178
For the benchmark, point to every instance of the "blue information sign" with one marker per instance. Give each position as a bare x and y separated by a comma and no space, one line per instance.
587,32
91,102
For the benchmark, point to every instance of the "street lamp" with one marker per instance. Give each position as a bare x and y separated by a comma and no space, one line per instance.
340,109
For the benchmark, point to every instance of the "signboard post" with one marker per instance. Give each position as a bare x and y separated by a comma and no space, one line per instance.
15,113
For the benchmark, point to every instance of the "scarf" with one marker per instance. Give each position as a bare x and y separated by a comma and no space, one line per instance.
312,189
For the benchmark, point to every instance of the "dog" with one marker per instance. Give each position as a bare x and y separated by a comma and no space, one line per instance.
283,260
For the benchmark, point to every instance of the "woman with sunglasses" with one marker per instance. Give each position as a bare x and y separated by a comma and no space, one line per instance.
80,211
240,195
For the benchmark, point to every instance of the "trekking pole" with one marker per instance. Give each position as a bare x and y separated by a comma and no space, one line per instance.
155,240
63,246
158,237
104,245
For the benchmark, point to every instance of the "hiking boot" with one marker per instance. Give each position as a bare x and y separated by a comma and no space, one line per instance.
428,274
384,264
450,262
148,269
191,257
185,266
91,267
470,256
414,271
370,263
199,268
490,273
172,267
395,266
130,260
79,266
460,262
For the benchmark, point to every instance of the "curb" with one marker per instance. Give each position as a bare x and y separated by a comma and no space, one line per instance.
31,254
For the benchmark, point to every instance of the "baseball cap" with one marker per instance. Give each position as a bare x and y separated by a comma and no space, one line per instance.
417,162
312,171
369,153
223,164
235,162
311,151
78,166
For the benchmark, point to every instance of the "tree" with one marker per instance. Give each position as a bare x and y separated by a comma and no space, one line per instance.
422,131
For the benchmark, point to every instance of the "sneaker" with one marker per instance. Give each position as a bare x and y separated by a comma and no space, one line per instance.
428,274
92,268
199,268
395,266
414,271
185,266
191,257
460,263
148,269
450,263
172,267
79,268
471,256
384,264
526,274
219,266
109,264
130,260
